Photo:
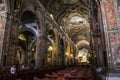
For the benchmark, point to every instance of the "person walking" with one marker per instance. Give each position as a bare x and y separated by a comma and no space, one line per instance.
13,69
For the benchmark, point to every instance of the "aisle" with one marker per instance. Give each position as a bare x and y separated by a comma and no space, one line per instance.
74,73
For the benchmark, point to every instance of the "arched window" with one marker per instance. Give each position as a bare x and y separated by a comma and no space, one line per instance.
69,1
76,20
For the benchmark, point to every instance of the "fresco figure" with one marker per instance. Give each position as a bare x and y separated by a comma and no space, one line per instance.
110,13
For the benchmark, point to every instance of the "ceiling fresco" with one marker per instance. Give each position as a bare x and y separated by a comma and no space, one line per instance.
73,16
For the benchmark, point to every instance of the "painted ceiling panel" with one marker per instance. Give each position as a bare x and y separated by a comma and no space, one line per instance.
72,15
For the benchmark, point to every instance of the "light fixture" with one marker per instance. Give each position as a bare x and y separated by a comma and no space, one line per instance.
61,27
66,53
22,37
71,55
51,16
50,48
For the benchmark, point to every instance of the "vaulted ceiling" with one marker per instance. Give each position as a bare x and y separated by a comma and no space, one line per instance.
72,15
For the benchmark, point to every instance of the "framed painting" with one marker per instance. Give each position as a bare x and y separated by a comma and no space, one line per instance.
110,15
115,47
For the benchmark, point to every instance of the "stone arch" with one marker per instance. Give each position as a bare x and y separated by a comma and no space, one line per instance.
83,44
28,35
51,43
28,17
26,46
61,51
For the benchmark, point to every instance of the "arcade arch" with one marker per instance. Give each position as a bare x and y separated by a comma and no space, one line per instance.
27,39
51,47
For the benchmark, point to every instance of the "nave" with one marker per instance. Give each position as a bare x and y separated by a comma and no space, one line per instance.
41,38
73,73
78,72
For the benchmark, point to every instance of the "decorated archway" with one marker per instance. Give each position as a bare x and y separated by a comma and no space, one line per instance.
61,54
27,38
26,51
83,55
51,44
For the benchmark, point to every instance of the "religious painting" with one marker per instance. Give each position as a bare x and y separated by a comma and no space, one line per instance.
20,56
115,47
110,15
